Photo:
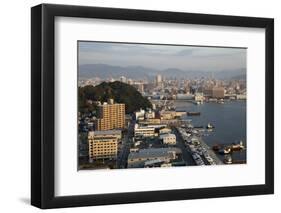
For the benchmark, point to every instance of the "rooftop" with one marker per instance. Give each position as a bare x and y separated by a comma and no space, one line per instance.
108,132
154,152
169,135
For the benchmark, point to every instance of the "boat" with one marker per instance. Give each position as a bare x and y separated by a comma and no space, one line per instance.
193,113
216,147
237,147
198,102
221,101
225,150
227,159
210,126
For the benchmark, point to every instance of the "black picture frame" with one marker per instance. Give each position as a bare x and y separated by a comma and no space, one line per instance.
43,102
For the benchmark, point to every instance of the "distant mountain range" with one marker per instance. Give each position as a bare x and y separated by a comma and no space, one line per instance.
104,71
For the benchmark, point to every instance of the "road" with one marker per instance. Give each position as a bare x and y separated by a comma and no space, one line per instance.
186,154
125,147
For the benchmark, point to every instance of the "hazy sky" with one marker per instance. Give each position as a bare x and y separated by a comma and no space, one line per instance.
162,56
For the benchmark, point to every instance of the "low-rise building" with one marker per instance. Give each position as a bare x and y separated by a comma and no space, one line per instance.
157,126
199,97
241,97
139,115
165,130
149,115
150,121
169,139
168,115
144,131
165,155
102,146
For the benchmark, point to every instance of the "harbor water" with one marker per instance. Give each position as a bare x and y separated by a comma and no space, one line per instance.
229,120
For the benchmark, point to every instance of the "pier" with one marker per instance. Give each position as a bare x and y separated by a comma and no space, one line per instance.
211,152
197,149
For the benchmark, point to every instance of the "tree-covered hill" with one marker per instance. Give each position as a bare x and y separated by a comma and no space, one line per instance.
120,92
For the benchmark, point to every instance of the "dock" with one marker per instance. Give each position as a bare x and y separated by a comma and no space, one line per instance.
211,152
201,153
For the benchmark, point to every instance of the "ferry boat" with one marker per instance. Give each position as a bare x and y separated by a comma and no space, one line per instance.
224,148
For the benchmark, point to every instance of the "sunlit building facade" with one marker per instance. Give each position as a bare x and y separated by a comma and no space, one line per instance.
102,146
110,116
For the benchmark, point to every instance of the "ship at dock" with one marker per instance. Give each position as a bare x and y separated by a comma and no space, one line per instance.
224,149
222,131
193,113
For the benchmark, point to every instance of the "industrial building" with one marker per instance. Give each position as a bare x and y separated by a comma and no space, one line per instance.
165,155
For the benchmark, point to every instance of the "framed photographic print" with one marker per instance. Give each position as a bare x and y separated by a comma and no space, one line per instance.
139,106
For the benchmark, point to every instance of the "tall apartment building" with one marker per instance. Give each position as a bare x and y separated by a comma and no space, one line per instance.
218,92
102,145
214,92
110,116
158,80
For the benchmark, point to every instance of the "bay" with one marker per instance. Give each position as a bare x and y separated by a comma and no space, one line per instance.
229,120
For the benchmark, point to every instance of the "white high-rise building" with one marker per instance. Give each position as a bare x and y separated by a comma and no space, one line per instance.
159,79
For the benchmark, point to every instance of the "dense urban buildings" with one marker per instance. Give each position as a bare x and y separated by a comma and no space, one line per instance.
136,116
154,136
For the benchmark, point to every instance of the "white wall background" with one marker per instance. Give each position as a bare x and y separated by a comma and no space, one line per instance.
15,104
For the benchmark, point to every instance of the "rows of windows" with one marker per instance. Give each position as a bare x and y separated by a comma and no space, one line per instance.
104,149
103,143
104,157
104,152
103,146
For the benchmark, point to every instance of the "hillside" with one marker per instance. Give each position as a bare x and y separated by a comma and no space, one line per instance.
120,92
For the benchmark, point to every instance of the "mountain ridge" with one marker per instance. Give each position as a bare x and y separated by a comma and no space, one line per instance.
140,72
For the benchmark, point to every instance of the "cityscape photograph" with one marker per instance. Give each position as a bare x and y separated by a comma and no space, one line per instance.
160,105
